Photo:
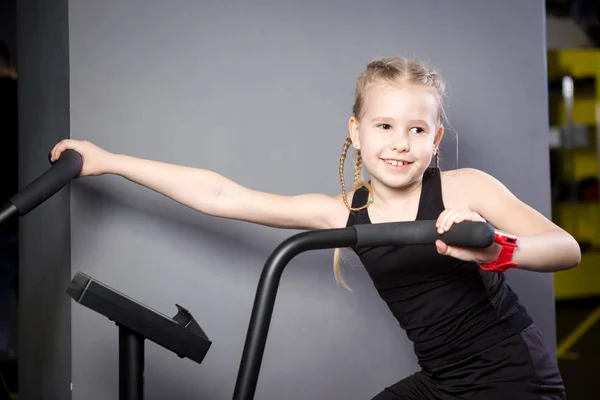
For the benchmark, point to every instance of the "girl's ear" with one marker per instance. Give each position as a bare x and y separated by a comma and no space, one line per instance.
438,137
353,130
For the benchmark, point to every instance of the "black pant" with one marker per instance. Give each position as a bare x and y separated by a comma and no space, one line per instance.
518,368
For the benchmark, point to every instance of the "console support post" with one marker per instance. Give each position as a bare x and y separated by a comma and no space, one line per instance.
131,365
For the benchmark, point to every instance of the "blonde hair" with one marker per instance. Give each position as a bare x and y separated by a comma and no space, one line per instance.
390,70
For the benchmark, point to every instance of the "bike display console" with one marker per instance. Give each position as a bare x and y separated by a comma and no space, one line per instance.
181,334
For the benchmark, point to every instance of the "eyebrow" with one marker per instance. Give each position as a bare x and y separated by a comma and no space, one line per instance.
389,119
386,119
418,121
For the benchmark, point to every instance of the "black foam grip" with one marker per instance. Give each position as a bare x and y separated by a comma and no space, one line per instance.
464,234
63,171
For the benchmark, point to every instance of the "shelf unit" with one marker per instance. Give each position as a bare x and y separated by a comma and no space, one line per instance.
574,152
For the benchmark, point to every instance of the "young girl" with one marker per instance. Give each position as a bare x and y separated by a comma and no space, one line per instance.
472,337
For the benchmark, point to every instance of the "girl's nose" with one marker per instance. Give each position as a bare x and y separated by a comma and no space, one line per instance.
400,145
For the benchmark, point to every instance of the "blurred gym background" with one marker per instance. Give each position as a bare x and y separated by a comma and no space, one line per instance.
573,38
573,55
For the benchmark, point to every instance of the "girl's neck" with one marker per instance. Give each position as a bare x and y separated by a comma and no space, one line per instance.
386,195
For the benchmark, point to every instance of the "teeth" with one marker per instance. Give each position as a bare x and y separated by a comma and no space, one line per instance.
395,163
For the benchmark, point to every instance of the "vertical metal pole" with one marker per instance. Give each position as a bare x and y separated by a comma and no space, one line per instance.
131,365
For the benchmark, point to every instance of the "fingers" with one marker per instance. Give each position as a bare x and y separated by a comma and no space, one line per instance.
456,252
481,256
54,153
452,216
445,219
66,144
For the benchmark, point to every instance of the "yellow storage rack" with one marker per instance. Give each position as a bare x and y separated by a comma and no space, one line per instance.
580,218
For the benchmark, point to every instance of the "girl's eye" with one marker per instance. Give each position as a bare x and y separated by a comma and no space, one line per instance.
419,130
385,126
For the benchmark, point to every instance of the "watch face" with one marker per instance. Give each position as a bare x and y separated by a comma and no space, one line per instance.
507,238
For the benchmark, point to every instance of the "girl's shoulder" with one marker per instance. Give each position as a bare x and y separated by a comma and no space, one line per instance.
465,176
460,185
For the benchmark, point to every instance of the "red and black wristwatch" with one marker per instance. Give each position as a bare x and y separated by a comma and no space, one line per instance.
504,261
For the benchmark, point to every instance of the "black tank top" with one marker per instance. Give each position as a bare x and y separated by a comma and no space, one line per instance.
449,308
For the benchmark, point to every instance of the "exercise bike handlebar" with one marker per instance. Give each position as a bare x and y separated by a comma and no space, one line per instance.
63,171
465,234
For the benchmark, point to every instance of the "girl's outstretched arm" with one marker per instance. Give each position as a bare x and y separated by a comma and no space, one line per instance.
543,246
209,192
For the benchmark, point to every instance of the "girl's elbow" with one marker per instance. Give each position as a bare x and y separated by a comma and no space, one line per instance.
574,251
567,251
577,256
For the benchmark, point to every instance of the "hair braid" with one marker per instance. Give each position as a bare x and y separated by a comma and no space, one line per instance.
358,171
358,179
358,182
